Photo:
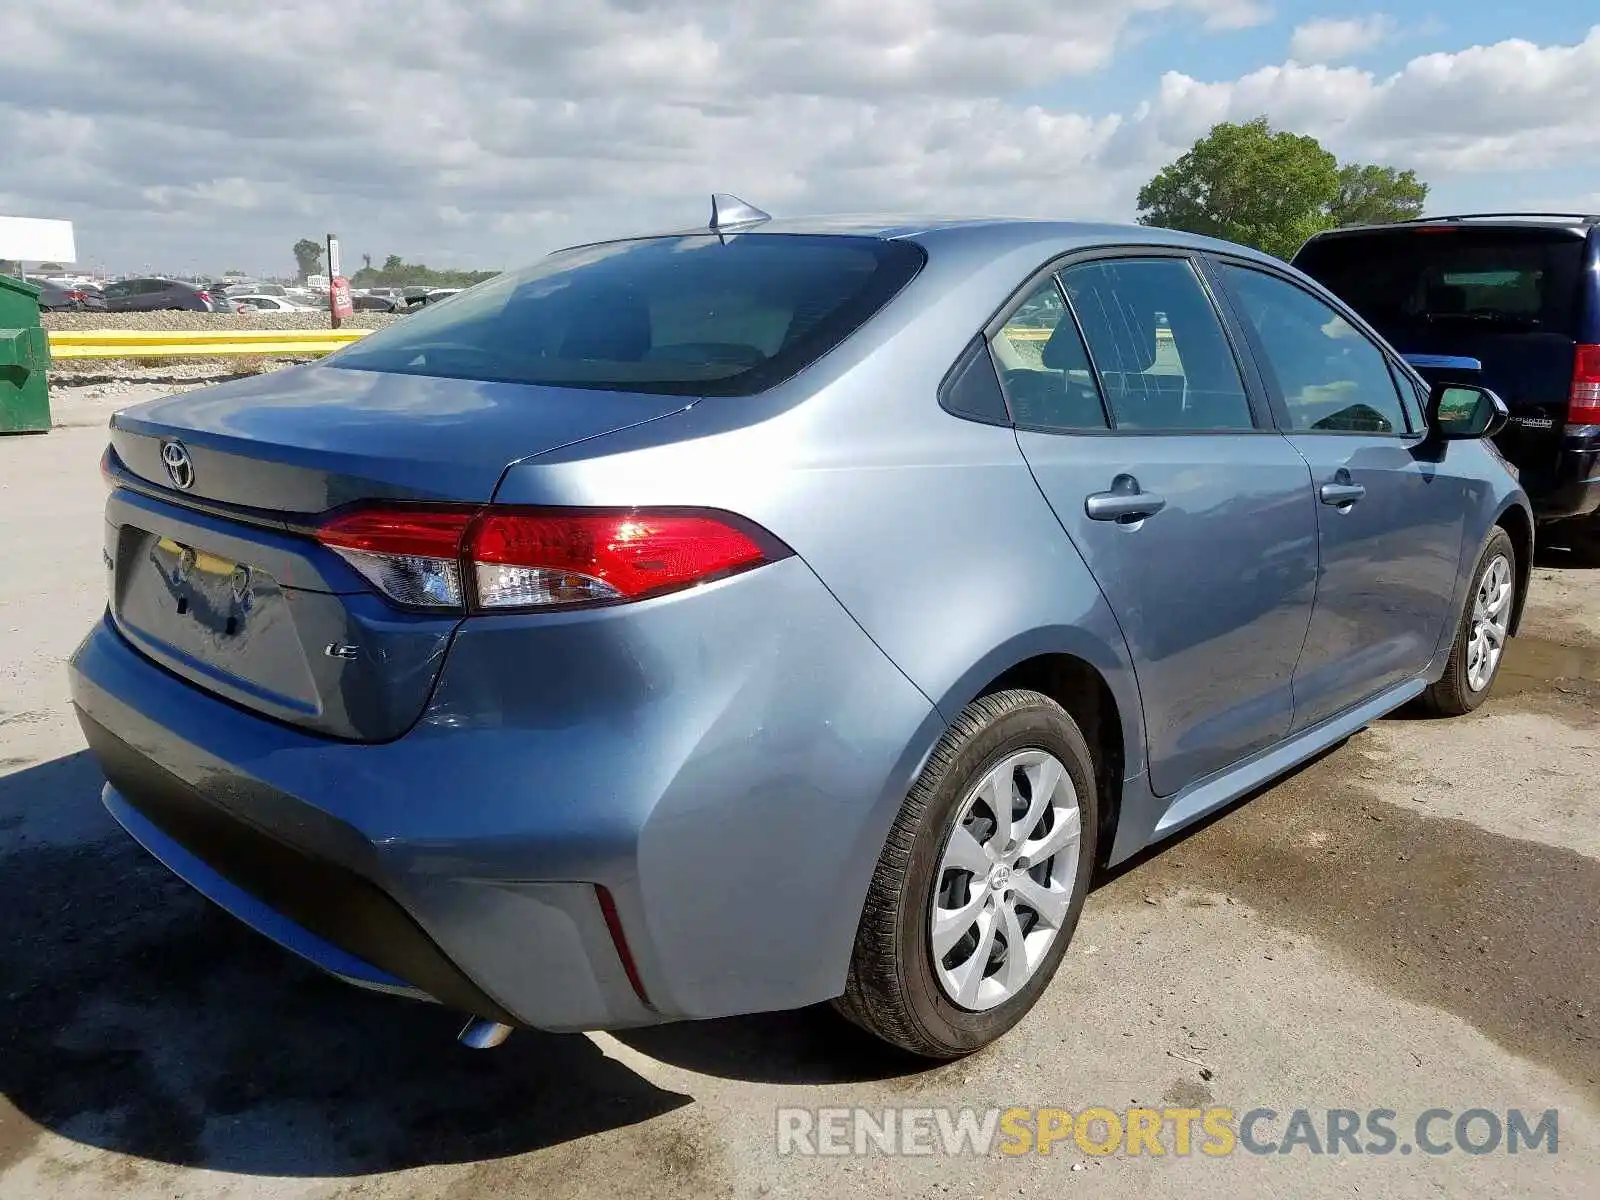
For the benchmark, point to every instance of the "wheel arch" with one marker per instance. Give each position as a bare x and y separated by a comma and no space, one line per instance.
1517,520
1092,681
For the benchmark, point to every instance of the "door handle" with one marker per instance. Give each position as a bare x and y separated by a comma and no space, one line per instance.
1120,505
1341,494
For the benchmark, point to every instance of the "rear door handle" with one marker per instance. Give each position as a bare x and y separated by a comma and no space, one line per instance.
1341,494
1122,505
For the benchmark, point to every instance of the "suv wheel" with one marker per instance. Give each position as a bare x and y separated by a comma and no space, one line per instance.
1481,634
981,883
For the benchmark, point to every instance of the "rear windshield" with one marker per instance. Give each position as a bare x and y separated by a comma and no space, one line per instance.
680,316
1510,279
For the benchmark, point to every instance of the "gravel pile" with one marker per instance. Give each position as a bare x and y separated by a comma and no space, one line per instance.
196,320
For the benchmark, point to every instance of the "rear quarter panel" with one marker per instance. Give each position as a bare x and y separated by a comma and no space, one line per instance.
928,528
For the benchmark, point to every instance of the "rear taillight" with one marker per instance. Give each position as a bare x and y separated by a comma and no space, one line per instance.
412,556
206,296
78,296
1583,406
503,559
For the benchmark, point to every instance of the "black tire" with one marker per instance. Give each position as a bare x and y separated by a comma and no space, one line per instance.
891,990
1453,695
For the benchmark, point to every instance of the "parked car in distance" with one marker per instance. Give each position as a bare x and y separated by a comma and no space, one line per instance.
257,289
369,302
308,298
154,295
1519,293
269,304
68,297
703,624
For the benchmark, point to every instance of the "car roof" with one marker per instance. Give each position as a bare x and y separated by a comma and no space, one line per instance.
991,234
1578,224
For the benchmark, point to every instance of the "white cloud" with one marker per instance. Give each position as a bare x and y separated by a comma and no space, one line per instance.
1328,39
1509,106
483,133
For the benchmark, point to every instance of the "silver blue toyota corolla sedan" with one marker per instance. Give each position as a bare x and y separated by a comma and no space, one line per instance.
777,612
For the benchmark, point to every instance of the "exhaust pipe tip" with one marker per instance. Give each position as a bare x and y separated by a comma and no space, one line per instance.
481,1034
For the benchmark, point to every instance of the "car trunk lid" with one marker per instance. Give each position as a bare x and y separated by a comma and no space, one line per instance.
214,574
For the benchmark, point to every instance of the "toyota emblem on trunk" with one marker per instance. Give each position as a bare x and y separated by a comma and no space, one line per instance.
175,456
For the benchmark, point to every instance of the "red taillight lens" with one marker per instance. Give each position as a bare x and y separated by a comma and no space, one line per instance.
1583,406
536,559
542,558
78,296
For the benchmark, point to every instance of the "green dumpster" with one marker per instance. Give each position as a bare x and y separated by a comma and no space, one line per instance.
24,358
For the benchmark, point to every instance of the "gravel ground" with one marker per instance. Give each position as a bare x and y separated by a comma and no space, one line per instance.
195,320
1410,922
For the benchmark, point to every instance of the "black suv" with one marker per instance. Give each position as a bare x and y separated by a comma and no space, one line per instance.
1517,292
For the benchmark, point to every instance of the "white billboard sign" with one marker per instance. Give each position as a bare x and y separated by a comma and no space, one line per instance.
37,240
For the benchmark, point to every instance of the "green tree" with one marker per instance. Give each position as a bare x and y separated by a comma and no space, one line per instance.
1246,183
1371,195
308,257
396,272
1272,189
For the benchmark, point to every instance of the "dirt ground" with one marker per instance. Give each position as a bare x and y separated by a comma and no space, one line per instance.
1410,922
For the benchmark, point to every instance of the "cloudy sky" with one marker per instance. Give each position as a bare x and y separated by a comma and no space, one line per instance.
197,135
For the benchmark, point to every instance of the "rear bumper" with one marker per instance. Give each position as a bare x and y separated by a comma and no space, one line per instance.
1573,490
319,888
726,765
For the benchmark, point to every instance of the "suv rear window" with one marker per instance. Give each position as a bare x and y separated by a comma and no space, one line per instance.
1451,275
680,316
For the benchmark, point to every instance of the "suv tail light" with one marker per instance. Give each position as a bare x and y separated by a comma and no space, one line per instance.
505,559
1583,407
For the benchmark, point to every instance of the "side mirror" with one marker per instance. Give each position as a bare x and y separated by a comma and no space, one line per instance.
1459,412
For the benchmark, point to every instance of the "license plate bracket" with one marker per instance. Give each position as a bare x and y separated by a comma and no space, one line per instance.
215,592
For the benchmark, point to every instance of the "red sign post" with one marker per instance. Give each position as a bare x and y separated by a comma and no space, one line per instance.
339,299
339,305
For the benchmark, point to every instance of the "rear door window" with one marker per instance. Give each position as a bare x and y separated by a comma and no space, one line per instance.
1163,360
1453,277
690,315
